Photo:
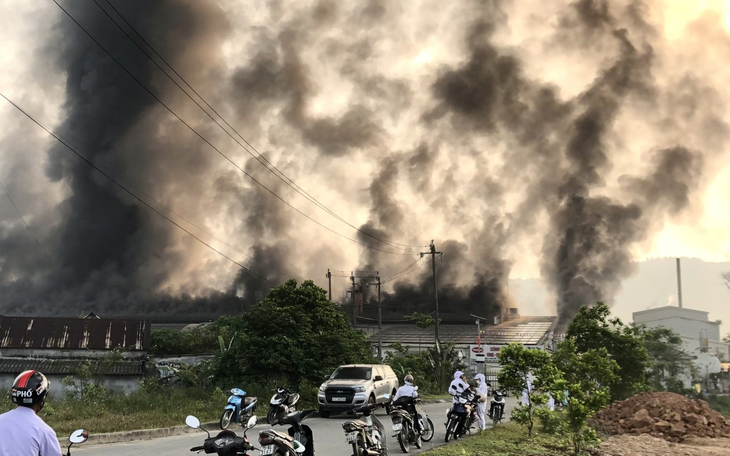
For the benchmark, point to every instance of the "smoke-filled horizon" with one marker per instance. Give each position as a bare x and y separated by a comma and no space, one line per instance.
559,137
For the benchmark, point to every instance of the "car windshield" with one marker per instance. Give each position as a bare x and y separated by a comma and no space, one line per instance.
352,373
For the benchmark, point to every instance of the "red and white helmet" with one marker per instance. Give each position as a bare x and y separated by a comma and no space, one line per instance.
30,388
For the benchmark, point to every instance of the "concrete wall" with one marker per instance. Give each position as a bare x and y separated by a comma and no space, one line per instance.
121,383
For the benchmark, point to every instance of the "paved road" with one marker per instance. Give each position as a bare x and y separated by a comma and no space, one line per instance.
329,438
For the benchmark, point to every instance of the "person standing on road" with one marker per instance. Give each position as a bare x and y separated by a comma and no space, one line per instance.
22,431
483,392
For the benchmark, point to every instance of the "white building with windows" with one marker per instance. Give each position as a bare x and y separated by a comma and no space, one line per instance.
695,327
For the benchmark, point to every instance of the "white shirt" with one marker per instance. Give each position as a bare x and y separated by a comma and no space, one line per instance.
406,390
457,387
23,433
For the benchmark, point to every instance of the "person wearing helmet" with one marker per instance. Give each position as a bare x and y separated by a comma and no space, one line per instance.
407,393
458,385
22,431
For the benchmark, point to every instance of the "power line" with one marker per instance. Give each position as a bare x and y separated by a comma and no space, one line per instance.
26,225
207,141
69,147
258,156
410,268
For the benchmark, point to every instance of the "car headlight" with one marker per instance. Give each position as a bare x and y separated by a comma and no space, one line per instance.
223,441
321,388
359,389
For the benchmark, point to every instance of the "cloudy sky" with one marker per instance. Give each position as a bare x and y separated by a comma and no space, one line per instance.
550,139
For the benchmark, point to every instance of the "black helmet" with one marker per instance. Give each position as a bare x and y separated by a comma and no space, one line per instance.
30,388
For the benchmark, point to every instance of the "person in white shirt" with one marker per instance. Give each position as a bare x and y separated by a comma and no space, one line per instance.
458,385
22,431
408,391
528,390
483,392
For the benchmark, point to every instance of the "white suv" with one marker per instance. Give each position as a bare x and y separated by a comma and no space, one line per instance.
356,384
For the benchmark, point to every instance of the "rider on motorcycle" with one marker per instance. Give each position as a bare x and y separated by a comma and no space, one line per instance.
22,431
407,393
458,385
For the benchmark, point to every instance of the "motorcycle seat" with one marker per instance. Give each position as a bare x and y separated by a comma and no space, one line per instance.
283,436
359,424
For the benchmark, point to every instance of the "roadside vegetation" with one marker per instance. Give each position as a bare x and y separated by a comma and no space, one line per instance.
509,439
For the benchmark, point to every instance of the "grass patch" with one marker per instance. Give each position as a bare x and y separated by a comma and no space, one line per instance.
509,439
113,412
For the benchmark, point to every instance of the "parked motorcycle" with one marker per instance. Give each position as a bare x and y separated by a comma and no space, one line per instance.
403,423
298,440
239,408
496,407
77,436
226,443
367,436
462,415
281,403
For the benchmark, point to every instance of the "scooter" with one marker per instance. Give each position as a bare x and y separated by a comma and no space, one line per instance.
226,443
77,436
281,403
299,440
235,412
403,424
496,407
462,415
367,436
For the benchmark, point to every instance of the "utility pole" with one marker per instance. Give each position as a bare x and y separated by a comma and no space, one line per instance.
354,318
380,321
433,254
329,280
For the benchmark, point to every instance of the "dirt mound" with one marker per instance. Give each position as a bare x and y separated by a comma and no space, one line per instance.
646,445
666,415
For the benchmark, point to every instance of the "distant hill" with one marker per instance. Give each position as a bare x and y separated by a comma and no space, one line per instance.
653,285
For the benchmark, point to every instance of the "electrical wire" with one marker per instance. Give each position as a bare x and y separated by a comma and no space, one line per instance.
215,148
258,156
298,189
24,223
82,157
410,268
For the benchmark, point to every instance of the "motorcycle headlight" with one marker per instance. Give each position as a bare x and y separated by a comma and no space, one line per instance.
359,389
223,441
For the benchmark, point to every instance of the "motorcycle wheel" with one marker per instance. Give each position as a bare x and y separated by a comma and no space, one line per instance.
428,435
358,446
403,440
450,426
226,419
271,416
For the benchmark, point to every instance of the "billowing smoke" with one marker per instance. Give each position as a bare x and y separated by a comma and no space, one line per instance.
555,137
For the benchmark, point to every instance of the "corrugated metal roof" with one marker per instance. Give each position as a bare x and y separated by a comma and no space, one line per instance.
73,333
524,330
15,366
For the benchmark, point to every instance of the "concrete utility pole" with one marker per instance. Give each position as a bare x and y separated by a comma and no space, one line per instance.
329,280
433,254
380,320
354,311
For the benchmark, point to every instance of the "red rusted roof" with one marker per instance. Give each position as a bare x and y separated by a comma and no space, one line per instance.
73,333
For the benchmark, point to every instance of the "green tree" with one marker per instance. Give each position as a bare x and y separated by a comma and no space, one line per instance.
668,362
294,335
518,365
584,381
593,329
